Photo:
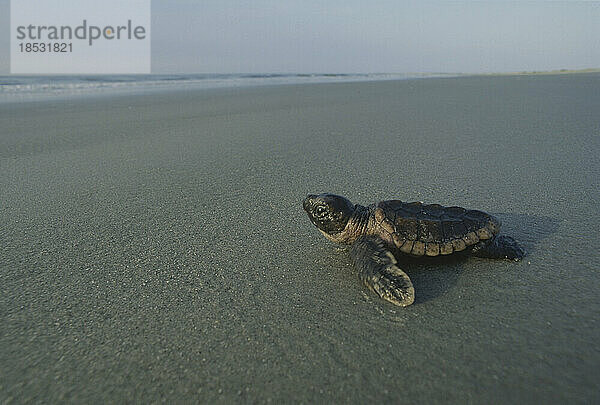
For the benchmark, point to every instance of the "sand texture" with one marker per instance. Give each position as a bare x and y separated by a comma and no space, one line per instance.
154,248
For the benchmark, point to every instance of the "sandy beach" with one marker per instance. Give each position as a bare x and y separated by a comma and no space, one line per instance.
154,248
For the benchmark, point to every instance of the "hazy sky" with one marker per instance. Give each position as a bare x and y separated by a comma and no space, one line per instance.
228,36
373,36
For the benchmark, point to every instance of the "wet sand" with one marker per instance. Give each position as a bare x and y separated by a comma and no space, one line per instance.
154,248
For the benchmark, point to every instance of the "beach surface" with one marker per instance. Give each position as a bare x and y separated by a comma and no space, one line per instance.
154,248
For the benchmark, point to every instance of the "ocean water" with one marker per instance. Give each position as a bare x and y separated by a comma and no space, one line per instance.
27,88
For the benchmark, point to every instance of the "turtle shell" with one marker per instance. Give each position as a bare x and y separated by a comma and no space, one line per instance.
419,229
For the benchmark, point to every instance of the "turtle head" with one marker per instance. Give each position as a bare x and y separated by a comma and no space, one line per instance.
328,212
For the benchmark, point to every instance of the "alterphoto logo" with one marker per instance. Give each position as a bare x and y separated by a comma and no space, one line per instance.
80,37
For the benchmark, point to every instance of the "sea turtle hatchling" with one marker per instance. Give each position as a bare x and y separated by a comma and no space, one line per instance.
383,232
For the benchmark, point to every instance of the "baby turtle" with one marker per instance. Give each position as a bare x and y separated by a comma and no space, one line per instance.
380,233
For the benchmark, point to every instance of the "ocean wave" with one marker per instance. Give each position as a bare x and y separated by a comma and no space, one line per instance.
36,87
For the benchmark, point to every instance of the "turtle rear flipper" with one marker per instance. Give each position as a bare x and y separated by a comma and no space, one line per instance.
501,247
378,270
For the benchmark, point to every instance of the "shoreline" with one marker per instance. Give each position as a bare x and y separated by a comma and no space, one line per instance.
542,72
149,88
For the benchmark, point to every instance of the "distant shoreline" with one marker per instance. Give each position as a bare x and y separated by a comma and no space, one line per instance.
22,88
538,72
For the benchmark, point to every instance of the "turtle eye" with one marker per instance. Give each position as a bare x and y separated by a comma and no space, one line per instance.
321,211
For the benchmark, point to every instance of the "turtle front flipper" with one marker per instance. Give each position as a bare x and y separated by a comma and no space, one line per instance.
378,270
